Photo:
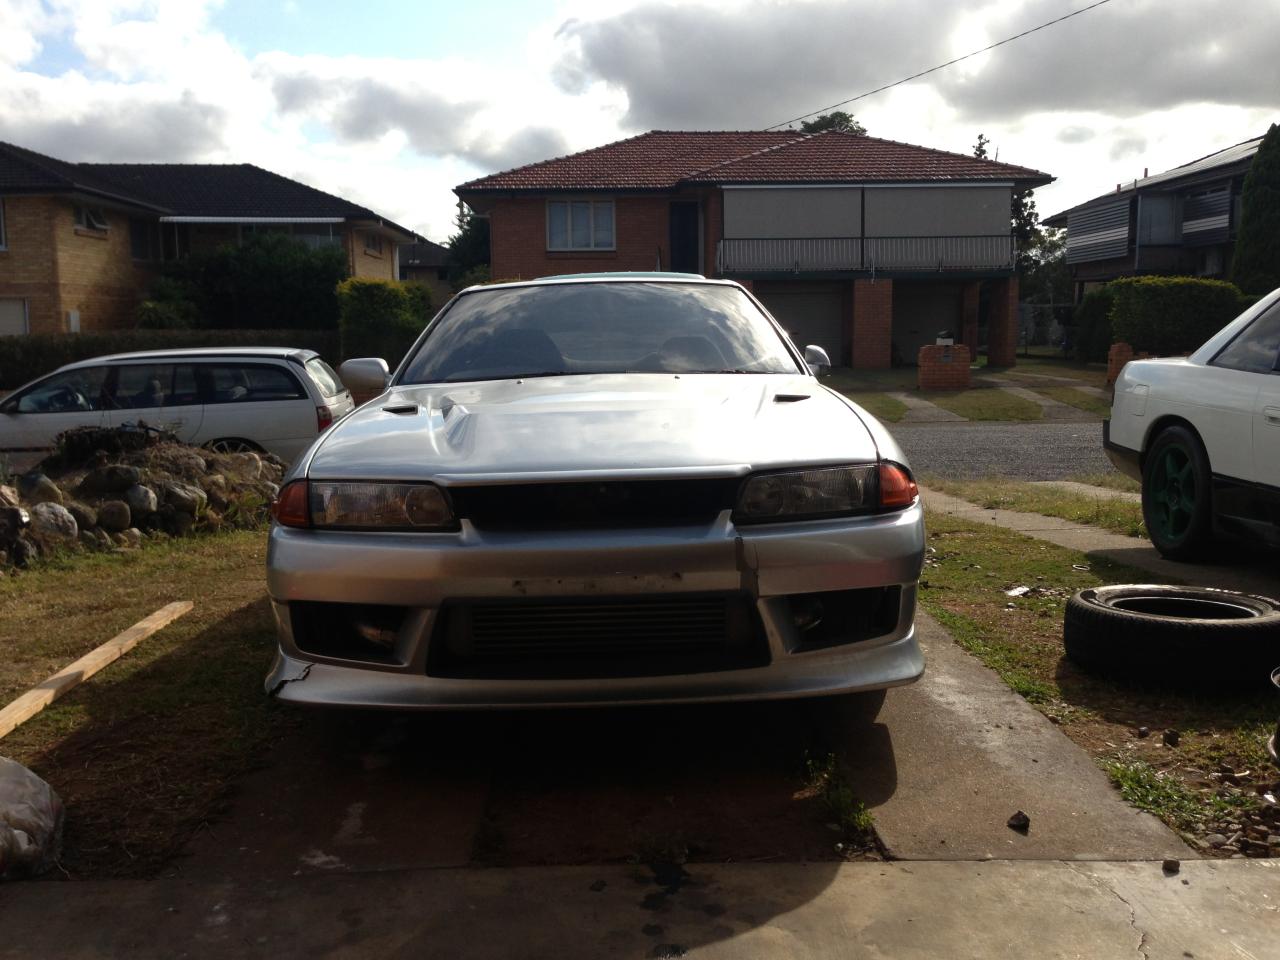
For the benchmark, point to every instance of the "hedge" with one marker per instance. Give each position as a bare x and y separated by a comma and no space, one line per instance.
23,358
1092,336
381,318
1170,316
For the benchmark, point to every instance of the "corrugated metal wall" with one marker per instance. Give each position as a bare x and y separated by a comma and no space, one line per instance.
1099,231
1206,216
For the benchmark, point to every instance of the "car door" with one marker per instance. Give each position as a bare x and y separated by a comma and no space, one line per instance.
31,419
138,392
261,402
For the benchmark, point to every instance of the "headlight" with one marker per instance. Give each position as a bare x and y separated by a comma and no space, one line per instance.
824,492
347,505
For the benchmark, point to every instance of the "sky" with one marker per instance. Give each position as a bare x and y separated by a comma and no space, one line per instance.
392,104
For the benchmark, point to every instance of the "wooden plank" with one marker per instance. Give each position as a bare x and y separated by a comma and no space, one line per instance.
69,677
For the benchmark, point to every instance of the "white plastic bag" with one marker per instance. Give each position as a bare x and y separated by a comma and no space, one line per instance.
30,822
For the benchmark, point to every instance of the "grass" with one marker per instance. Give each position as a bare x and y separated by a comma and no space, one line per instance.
825,780
1094,374
879,405
1112,480
1076,398
967,571
985,403
146,750
1095,510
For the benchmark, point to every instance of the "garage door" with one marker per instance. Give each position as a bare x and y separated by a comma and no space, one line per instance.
810,315
13,317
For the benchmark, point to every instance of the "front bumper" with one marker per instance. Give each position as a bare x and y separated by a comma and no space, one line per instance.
1127,461
424,571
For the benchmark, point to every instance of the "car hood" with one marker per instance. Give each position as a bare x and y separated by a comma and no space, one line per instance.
597,425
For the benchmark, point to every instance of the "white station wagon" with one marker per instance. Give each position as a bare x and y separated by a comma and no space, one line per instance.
1202,433
272,399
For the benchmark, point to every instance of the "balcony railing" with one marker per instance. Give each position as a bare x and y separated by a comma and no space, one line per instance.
845,254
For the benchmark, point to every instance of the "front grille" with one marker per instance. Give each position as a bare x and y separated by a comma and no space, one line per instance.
603,504
619,637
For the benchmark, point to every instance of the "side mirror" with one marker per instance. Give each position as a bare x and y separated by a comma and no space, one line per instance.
366,375
817,359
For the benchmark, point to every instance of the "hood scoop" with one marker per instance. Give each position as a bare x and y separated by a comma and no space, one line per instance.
402,409
790,397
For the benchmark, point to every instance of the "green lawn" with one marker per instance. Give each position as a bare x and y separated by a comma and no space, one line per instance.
984,403
1076,398
879,405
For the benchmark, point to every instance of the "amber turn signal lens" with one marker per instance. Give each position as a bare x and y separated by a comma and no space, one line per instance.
290,508
897,489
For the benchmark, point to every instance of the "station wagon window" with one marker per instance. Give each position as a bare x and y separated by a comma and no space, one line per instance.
91,218
64,393
1256,348
142,386
580,225
324,377
246,383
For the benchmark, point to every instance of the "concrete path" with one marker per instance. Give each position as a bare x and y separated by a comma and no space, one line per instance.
960,911
920,410
1102,493
1067,382
957,753
1243,569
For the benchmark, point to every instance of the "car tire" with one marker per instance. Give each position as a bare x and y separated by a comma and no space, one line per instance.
1170,635
1177,494
232,445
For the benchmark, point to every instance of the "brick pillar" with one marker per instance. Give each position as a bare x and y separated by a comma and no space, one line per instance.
943,368
712,207
872,323
1117,357
1002,325
969,314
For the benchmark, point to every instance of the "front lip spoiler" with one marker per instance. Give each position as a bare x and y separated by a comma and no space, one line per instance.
1126,460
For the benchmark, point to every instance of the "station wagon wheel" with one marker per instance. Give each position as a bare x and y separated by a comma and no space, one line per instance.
1177,494
232,445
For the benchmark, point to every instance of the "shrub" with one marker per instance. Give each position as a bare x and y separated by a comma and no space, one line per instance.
1169,316
1093,326
27,357
381,318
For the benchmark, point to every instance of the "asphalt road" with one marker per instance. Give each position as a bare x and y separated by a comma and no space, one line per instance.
1023,451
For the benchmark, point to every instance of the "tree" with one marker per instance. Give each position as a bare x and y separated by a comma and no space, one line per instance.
1255,266
839,121
980,148
1025,221
469,247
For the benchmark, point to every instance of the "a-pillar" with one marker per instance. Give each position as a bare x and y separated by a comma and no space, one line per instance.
1002,323
969,299
872,323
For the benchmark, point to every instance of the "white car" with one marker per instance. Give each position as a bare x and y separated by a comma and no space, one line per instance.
1202,433
272,399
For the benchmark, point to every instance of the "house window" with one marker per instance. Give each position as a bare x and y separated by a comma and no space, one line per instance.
373,243
4,239
580,225
144,240
91,218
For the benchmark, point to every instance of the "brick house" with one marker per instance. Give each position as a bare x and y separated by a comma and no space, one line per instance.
868,247
80,242
425,263
1181,221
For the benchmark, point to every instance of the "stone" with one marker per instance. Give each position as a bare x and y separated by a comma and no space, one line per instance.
1020,822
179,524
103,538
1170,865
114,516
23,552
185,498
52,525
86,516
35,487
1171,738
215,486
13,520
141,500
130,538
113,478
1143,733
1216,840
31,818
8,497
88,539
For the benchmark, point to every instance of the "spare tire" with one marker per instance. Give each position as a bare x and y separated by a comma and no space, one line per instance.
1185,636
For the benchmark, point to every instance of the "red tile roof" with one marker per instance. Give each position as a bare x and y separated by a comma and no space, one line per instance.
664,159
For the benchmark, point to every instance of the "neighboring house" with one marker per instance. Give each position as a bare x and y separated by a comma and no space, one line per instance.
424,263
865,246
1182,221
80,242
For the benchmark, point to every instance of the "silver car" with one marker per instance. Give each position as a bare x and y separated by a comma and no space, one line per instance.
596,490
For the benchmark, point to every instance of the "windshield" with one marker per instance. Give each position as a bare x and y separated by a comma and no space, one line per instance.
582,328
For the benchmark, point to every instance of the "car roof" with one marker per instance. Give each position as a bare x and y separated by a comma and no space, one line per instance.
199,353
651,276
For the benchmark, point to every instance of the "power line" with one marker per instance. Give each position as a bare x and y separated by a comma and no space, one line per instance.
922,73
